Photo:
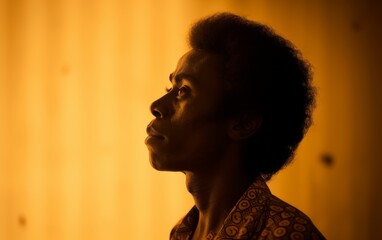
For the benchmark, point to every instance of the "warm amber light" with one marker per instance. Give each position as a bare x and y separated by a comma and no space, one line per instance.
76,82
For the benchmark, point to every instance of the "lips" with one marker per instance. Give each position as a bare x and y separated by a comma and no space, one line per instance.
153,135
152,132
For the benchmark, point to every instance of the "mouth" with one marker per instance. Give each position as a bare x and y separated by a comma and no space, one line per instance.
153,136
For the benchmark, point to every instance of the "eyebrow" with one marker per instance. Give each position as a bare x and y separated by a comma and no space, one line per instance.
181,76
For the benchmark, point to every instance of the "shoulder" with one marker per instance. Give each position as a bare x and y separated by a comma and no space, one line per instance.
287,222
184,228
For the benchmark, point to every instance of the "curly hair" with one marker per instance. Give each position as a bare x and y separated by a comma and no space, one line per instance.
266,76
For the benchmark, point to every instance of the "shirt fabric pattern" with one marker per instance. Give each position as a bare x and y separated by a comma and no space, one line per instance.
257,215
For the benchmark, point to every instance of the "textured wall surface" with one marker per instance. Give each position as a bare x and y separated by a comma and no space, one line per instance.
76,81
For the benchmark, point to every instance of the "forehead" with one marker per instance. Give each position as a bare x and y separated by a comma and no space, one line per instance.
194,58
198,64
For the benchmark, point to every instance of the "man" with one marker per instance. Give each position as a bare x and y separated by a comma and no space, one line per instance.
240,103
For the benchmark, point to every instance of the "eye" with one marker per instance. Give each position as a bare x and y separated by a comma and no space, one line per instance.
183,91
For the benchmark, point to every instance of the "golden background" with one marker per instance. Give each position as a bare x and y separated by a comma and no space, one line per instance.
76,81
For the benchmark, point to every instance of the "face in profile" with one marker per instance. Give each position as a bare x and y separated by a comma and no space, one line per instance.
188,133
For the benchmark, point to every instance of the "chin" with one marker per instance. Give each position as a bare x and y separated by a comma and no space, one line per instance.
157,164
161,165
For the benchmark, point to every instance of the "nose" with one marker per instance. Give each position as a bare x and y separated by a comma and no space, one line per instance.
158,108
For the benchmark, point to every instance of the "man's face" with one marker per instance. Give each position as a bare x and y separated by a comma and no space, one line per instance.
188,133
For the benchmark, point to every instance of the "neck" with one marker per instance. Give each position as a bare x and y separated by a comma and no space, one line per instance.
215,194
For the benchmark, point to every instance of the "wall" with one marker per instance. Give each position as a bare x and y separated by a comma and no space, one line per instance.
76,82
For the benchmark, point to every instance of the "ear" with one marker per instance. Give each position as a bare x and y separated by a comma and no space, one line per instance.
244,126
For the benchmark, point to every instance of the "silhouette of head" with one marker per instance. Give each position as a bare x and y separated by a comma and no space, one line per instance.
240,69
266,77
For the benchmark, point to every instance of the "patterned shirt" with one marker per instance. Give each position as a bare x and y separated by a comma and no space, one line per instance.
257,215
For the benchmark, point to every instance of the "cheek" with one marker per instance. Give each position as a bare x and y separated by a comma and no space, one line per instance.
194,117
195,136
196,126
200,144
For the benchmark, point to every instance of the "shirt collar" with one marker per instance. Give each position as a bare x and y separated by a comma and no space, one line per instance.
245,219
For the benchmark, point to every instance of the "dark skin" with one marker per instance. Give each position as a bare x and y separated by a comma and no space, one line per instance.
189,135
